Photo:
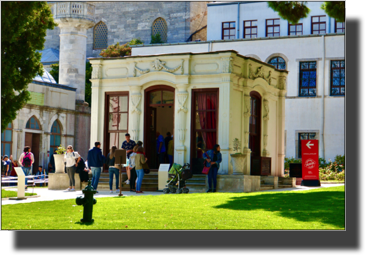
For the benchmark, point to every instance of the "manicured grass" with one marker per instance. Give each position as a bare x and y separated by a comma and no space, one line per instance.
10,194
321,208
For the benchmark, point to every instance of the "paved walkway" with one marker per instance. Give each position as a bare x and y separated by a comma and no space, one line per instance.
51,195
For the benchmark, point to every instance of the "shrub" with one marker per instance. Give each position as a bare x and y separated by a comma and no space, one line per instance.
118,50
156,39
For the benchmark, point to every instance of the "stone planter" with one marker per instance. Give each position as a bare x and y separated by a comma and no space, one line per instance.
59,164
238,161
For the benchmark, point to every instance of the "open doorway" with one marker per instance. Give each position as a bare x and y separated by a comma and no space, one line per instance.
159,117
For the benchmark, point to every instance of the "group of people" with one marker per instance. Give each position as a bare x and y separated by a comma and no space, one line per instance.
135,171
25,161
135,155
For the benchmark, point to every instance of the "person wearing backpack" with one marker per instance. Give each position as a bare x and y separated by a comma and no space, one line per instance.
26,161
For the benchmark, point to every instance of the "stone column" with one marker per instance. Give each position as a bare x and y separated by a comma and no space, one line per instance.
246,150
265,152
135,112
73,18
281,133
181,129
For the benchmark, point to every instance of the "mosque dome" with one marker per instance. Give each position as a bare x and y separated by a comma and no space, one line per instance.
46,77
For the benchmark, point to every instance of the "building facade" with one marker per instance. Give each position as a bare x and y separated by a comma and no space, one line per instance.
45,122
313,53
204,99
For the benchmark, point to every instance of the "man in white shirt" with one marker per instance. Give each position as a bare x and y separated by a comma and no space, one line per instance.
26,161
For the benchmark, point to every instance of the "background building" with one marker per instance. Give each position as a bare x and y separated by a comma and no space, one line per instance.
313,52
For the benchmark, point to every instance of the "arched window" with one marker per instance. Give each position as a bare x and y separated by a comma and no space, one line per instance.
159,26
100,36
278,62
55,137
6,141
33,124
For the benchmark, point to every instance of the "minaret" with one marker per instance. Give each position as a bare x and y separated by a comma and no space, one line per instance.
73,18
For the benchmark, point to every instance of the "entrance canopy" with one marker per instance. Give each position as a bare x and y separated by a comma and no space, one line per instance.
204,99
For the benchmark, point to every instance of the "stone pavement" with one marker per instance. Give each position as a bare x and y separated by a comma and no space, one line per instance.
51,195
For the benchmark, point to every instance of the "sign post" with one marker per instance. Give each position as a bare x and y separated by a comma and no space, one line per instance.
310,163
20,183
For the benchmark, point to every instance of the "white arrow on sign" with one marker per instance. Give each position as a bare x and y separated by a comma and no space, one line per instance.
309,144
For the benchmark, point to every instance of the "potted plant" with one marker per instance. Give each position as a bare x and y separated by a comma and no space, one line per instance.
58,159
237,159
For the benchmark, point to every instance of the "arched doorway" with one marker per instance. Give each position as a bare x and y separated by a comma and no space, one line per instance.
255,133
158,117
32,139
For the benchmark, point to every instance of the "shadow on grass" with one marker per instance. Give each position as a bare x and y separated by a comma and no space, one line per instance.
322,206
85,223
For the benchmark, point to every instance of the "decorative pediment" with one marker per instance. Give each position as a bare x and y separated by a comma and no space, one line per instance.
261,74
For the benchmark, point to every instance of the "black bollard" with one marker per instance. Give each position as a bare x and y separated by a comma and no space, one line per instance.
87,201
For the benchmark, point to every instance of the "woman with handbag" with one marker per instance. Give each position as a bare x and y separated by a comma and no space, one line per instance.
213,158
139,161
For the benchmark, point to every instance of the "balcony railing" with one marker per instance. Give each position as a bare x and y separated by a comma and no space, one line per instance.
73,10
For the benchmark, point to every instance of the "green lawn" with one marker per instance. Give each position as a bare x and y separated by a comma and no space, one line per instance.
321,208
10,194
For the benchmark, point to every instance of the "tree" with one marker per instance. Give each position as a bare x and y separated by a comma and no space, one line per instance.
294,11
335,10
289,10
156,39
23,31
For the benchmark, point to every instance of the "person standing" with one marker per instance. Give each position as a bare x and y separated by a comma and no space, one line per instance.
128,145
113,168
167,139
95,160
82,171
160,148
213,158
14,164
7,166
71,159
132,166
171,151
26,161
139,161
40,175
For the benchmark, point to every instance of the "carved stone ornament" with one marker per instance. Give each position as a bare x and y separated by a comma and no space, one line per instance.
265,151
181,135
247,107
260,73
182,97
266,110
281,84
139,70
159,65
135,99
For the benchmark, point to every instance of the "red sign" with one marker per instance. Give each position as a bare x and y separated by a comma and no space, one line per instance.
310,159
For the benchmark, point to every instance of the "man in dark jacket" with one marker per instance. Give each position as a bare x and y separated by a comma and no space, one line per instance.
95,160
